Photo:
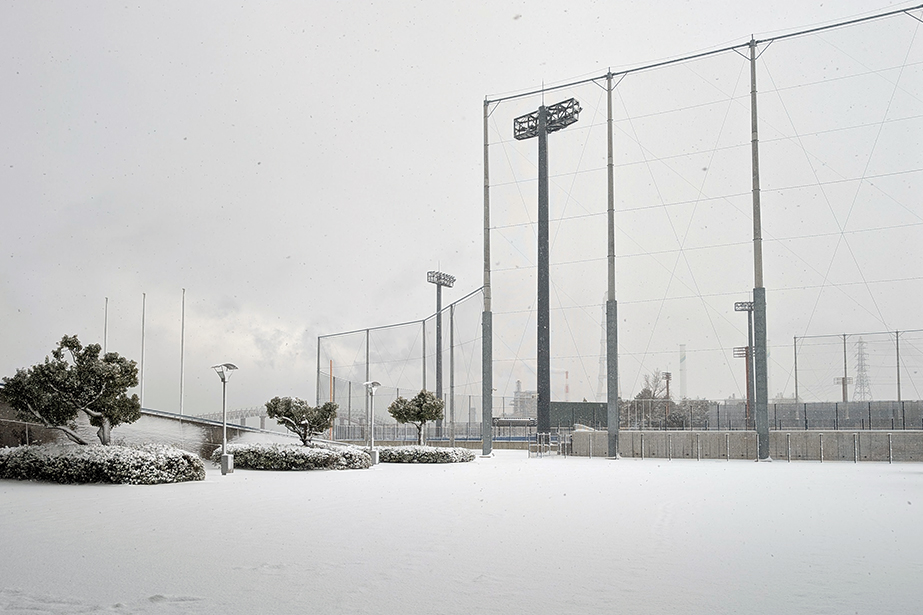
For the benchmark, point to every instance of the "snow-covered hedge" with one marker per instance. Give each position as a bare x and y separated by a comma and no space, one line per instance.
424,454
69,463
276,456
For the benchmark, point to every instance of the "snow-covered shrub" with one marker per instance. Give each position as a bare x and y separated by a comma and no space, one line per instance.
317,456
136,465
424,454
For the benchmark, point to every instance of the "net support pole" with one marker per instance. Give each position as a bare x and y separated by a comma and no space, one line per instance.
369,437
845,373
897,351
486,317
612,357
761,373
317,383
543,291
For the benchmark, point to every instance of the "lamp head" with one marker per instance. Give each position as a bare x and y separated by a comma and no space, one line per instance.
372,386
224,370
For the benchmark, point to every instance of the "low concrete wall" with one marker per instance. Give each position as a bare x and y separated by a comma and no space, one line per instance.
783,445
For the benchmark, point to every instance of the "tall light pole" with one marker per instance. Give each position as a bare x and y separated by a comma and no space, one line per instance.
106,329
224,372
182,353
141,367
747,306
440,279
370,388
539,124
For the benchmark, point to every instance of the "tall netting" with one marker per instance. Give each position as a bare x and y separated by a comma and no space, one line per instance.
840,122
402,357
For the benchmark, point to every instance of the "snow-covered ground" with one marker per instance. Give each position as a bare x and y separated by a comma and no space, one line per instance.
506,534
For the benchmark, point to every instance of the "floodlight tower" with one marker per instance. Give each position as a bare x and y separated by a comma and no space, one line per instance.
539,124
440,279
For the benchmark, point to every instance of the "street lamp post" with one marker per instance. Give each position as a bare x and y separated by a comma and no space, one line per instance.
224,372
539,124
371,387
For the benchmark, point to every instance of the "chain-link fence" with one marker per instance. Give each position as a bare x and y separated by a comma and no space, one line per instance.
403,359
839,116
859,367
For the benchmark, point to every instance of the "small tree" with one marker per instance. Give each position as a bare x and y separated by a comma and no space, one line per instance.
73,380
420,409
651,403
300,418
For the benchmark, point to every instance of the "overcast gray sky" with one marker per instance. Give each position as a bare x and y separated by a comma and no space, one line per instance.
297,167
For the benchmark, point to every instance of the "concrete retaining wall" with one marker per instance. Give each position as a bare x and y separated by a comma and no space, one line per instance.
795,445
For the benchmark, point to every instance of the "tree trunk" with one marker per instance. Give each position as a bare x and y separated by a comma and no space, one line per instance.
419,435
105,432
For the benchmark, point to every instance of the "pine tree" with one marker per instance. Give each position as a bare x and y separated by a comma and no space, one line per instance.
419,410
73,380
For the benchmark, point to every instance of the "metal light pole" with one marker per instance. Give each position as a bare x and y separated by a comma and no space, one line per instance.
182,354
106,329
747,306
371,387
440,279
539,124
224,372
141,366
746,352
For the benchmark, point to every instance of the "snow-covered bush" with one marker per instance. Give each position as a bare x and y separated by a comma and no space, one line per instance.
424,454
316,456
136,465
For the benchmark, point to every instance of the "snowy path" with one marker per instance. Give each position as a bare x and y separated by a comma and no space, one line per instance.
502,535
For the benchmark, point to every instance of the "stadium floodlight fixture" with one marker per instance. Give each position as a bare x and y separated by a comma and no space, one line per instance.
558,116
743,306
440,279
224,372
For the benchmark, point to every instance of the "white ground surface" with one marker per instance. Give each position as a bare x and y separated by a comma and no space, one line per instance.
505,534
